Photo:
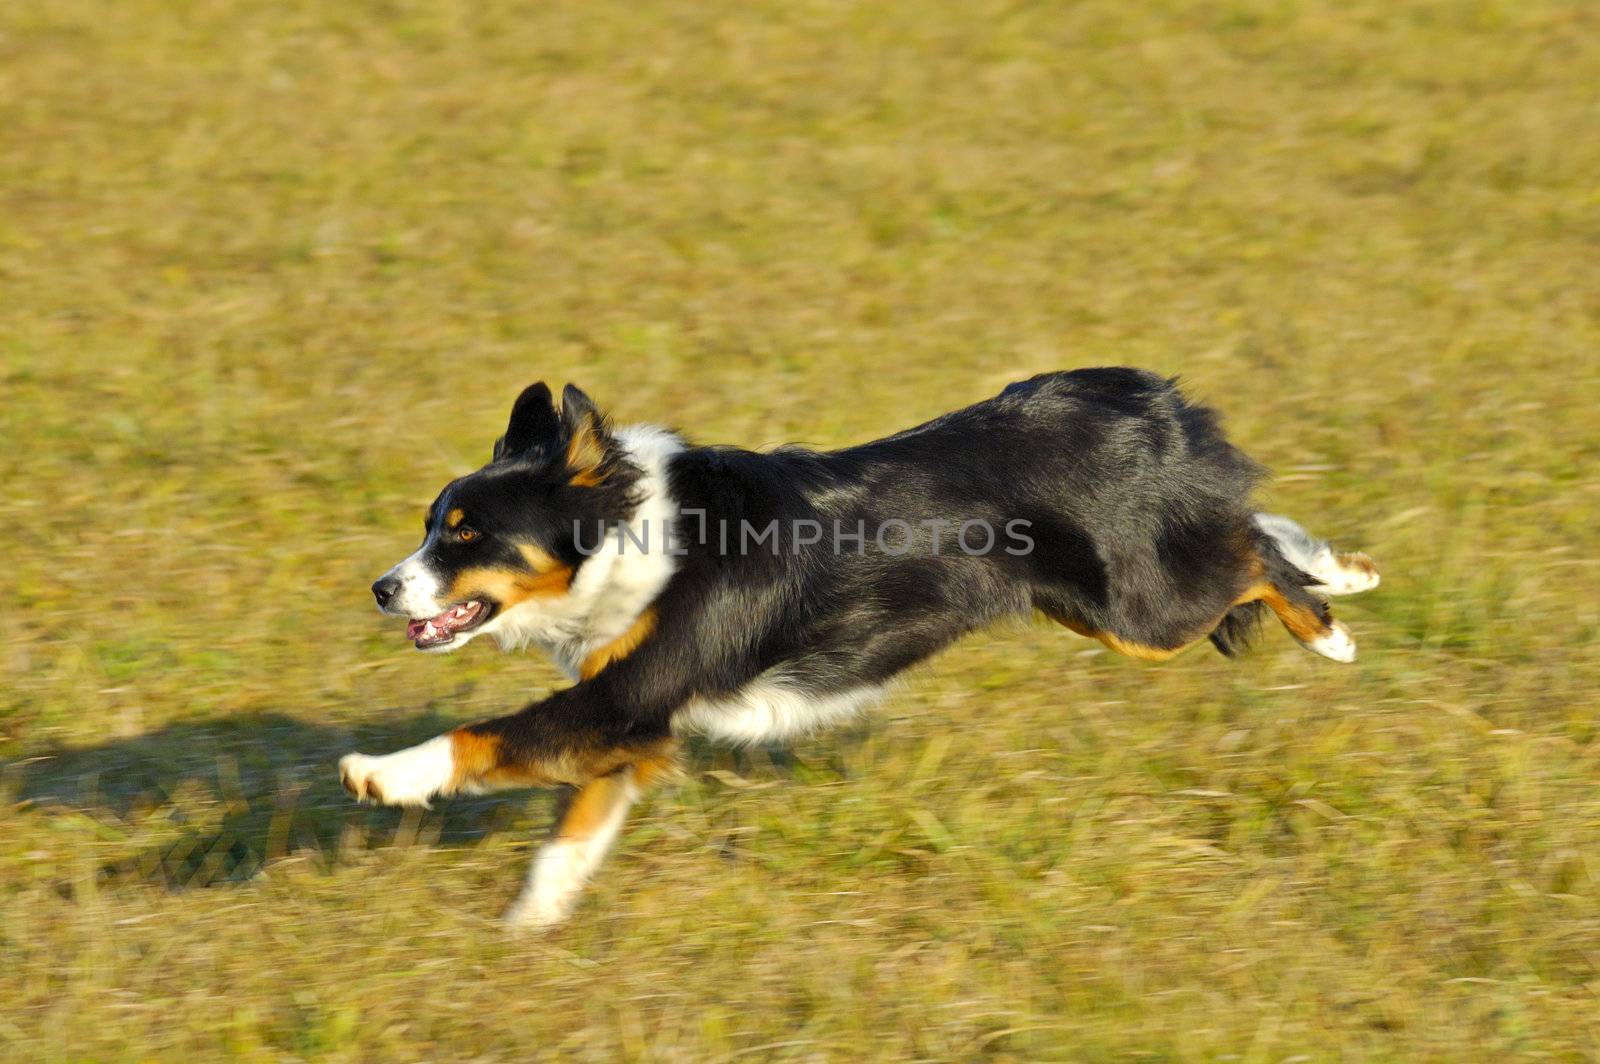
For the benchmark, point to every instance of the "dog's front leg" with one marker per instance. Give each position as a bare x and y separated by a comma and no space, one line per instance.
463,761
603,770
587,823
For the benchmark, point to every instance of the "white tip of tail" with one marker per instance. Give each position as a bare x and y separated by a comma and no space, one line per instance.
1337,645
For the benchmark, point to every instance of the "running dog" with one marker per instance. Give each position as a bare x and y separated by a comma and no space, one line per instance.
753,597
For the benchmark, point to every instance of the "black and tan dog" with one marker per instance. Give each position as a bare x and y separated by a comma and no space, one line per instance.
752,596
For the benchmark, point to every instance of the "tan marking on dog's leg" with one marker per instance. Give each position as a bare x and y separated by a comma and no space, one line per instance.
1317,631
481,763
1304,623
481,767
587,825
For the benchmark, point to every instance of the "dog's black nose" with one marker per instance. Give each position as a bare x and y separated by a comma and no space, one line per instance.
384,590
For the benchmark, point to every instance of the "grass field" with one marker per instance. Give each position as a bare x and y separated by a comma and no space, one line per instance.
270,273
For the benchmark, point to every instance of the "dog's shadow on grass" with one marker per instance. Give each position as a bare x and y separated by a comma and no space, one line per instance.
213,803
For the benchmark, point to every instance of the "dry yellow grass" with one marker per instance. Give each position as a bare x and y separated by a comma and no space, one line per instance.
270,273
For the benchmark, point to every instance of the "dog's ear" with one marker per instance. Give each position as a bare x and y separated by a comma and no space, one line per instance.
591,450
534,422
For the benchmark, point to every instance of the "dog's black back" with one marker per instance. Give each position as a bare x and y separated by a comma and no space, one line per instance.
1118,494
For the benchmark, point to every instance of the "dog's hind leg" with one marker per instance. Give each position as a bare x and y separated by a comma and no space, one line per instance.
1295,570
1335,572
1308,619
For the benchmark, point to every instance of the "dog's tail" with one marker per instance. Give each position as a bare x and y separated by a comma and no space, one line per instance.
1300,571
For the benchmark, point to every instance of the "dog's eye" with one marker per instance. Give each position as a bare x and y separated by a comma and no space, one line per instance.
467,535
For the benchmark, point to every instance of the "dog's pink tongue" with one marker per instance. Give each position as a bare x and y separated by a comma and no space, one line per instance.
414,629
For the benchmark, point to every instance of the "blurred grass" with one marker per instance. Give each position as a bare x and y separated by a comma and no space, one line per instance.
270,273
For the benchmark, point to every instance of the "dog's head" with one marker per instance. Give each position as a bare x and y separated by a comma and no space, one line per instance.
503,542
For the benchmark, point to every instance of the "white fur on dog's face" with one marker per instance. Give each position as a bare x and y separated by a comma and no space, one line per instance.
420,586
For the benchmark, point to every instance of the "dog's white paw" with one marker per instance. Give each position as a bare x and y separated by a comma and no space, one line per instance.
408,777
560,870
528,914
1344,574
1337,645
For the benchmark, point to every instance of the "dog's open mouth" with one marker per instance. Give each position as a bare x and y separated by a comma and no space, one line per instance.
437,631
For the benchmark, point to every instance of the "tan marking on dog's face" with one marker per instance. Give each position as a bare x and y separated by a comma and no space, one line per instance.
620,647
454,518
545,577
